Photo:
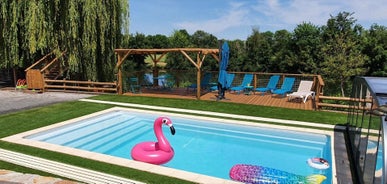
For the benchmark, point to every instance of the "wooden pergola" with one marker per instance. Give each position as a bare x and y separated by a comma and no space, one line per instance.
157,54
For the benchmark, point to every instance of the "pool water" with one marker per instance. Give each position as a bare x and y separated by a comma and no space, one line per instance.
202,146
379,157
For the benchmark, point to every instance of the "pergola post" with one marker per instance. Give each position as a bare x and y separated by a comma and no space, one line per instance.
199,75
119,75
198,65
198,79
120,59
155,60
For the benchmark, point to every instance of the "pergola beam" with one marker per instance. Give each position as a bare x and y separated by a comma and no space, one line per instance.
190,59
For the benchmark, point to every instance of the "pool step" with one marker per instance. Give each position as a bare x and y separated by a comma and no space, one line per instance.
61,169
125,133
65,134
123,139
90,138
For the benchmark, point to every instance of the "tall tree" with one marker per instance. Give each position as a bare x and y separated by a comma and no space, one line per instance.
281,50
87,30
341,51
176,61
237,55
376,49
305,49
158,41
201,39
258,51
136,61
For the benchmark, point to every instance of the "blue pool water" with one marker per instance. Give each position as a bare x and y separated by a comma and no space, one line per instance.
379,158
201,146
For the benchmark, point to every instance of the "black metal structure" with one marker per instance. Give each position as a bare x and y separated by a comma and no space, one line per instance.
366,131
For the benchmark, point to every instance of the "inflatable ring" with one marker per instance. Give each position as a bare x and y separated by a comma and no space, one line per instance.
318,163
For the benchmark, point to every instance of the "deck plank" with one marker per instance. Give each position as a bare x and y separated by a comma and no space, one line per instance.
252,99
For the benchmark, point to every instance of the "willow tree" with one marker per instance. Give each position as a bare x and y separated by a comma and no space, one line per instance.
87,30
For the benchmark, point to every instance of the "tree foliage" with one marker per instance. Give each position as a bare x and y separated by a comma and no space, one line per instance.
305,55
258,51
87,30
237,55
342,51
176,61
137,61
158,41
201,39
375,47
281,52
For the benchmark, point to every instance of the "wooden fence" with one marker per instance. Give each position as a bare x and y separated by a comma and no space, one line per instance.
343,103
87,86
321,102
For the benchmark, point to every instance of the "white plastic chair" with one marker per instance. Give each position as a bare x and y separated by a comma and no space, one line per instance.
303,91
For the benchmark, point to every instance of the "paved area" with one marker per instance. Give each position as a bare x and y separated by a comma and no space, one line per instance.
12,100
10,177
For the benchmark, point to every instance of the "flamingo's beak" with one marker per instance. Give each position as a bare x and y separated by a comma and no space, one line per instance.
172,130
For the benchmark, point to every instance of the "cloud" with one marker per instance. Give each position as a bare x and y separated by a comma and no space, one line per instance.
296,11
374,10
234,17
293,12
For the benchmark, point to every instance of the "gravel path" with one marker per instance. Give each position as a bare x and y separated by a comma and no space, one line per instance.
11,101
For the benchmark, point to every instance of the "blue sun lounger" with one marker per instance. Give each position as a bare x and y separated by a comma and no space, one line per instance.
246,80
203,84
286,87
270,86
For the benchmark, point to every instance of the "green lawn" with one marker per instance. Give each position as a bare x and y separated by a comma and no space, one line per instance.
323,117
34,118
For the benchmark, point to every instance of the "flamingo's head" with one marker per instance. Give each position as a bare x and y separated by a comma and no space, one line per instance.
168,122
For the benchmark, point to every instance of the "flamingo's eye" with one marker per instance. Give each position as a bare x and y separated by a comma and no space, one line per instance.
165,120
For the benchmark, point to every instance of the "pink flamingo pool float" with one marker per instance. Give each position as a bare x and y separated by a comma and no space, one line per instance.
159,152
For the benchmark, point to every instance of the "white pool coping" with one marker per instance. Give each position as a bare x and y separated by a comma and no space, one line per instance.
59,169
185,175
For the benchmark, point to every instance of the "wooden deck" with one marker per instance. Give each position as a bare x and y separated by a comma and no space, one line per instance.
253,99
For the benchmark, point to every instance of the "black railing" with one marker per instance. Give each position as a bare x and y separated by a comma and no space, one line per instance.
367,130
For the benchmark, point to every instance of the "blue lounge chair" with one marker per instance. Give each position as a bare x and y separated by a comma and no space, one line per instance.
270,86
286,86
135,87
230,79
203,83
246,80
167,81
147,80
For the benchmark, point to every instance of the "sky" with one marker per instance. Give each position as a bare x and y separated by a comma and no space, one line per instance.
235,19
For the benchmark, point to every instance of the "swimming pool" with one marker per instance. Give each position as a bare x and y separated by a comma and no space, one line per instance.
203,145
